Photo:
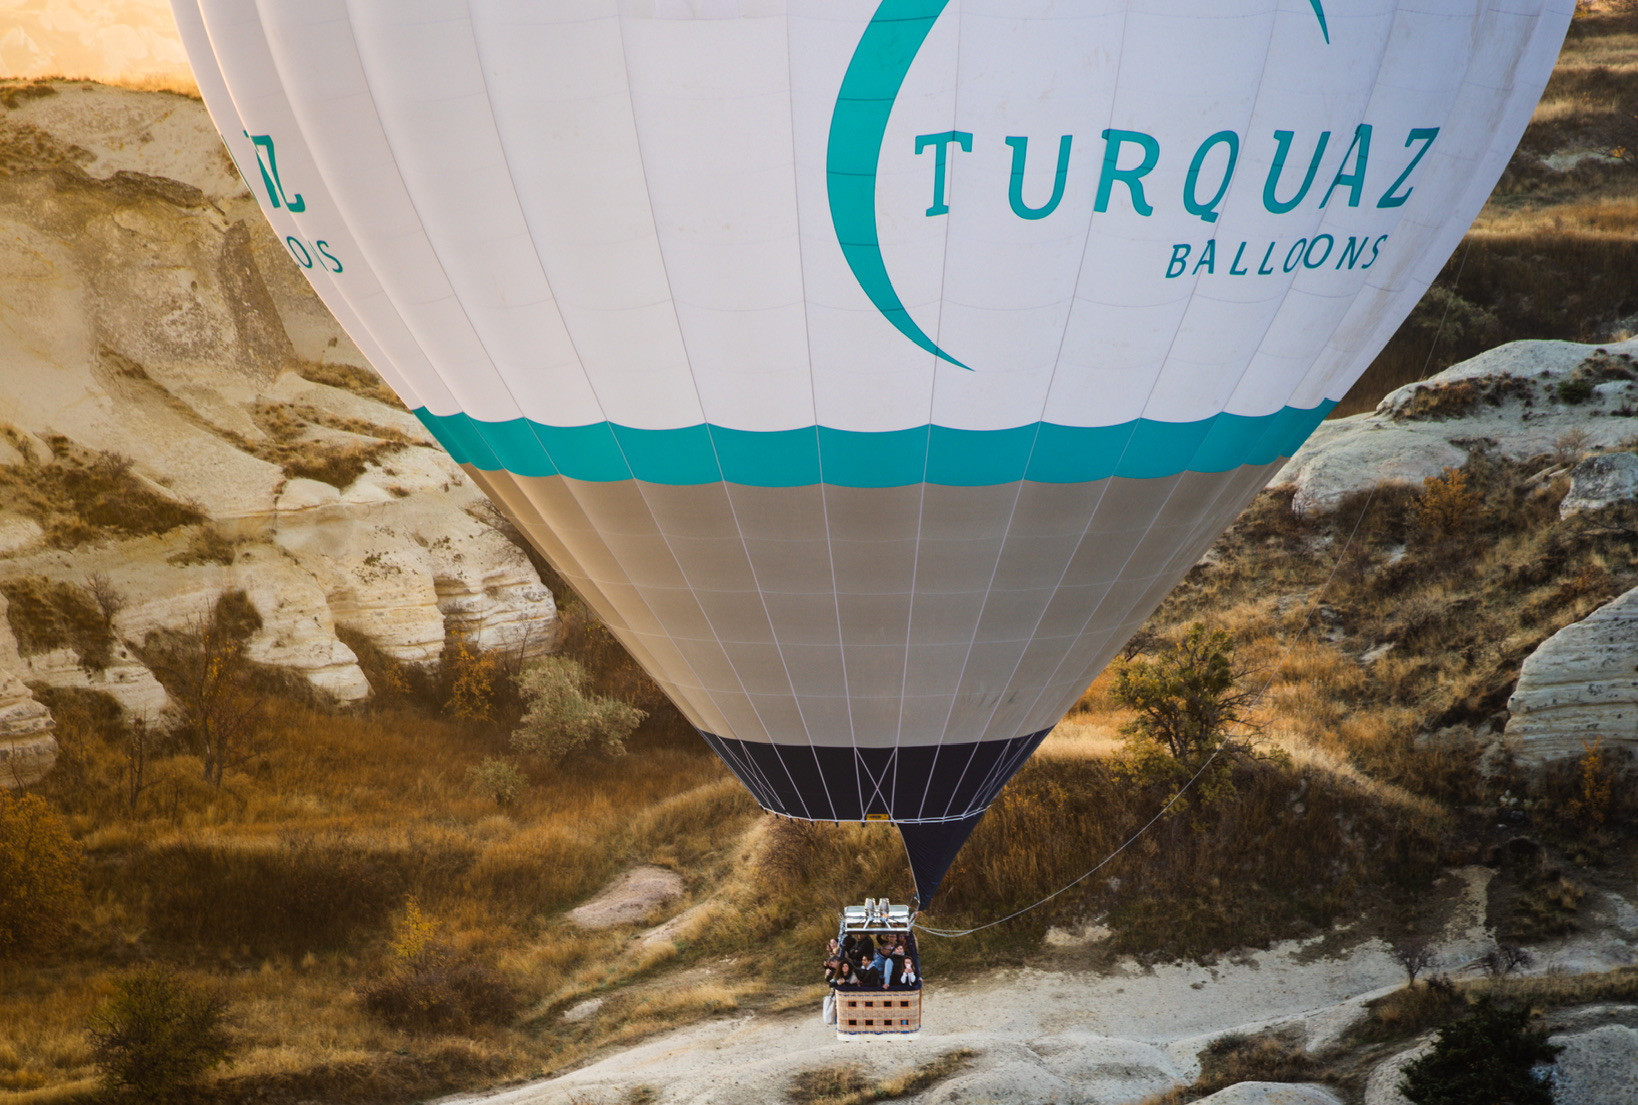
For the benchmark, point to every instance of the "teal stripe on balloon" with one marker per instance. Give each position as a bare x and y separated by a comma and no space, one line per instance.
858,125
1044,452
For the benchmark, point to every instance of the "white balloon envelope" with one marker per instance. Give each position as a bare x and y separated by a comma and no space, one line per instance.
872,367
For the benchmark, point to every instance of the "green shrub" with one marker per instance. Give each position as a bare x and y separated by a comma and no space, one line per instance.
1575,390
1486,1058
497,779
40,868
159,1035
562,718
1187,698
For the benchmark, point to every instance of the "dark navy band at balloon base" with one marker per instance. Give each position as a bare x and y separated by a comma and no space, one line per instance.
934,793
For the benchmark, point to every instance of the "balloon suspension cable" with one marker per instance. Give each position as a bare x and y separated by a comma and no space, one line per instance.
1184,789
1307,620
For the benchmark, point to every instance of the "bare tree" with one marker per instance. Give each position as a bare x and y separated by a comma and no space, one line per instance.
206,672
110,600
138,746
1503,960
1415,954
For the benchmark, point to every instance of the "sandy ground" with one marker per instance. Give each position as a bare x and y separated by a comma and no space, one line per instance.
1049,1035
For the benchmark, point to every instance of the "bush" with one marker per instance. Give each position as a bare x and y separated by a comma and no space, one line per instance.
474,677
563,718
1486,1058
1448,505
159,1035
497,779
442,992
431,988
1187,698
40,890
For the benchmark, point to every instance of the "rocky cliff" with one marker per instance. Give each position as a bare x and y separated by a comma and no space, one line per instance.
180,417
1571,412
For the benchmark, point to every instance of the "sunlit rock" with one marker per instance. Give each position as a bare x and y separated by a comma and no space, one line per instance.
1579,685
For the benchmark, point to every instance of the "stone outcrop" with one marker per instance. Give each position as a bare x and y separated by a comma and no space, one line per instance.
150,314
27,746
1577,686
1598,1064
1273,1093
1601,481
1523,399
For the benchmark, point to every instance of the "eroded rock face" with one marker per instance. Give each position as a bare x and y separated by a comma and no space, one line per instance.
1601,481
150,313
27,747
1522,399
1580,684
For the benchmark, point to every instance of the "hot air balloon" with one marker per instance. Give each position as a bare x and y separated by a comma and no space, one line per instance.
872,367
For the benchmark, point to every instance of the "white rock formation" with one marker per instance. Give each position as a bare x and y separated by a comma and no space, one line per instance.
1507,398
148,311
1580,684
27,747
1382,1086
1273,1093
1597,1067
1600,481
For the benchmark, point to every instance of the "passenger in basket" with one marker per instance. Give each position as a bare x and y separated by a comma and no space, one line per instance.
907,977
895,964
880,970
844,974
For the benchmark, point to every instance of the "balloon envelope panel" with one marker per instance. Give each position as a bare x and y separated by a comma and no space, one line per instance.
873,367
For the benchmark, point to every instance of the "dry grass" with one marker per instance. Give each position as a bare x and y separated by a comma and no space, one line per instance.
1412,1010
79,495
1267,1057
282,887
336,458
359,381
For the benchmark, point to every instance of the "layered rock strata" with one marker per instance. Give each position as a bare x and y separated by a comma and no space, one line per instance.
152,324
1579,686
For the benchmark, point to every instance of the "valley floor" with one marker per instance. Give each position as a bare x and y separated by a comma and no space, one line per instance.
1064,1034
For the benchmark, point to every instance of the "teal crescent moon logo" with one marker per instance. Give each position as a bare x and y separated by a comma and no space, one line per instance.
858,126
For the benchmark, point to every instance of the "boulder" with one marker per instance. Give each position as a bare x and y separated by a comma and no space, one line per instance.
1382,1085
1580,684
1601,481
1597,1067
1523,399
1273,1093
